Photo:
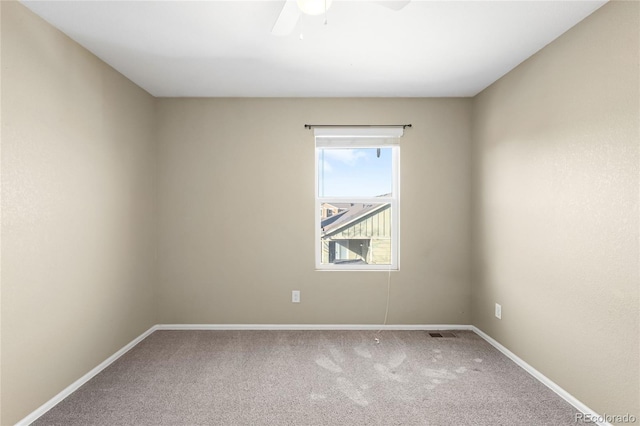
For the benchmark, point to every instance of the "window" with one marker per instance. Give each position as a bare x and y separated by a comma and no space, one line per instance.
357,198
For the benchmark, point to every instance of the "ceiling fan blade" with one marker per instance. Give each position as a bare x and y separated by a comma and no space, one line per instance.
287,19
394,4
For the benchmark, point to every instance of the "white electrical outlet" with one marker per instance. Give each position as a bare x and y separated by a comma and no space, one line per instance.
295,296
498,311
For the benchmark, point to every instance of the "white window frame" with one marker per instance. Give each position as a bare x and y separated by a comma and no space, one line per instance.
385,137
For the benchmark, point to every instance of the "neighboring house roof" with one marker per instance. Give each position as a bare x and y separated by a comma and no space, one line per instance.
355,213
337,205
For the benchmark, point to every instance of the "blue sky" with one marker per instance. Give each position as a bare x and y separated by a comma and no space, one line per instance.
354,172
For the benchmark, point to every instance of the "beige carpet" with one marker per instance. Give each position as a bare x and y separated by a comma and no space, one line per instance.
312,378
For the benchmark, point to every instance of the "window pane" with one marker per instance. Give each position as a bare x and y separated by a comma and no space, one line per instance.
354,172
355,233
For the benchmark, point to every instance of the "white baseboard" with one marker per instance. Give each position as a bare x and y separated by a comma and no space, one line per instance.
312,327
82,380
535,373
540,377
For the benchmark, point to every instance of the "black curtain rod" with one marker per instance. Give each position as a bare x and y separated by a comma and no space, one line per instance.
311,126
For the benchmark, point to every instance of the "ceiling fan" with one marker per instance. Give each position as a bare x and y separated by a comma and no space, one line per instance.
292,9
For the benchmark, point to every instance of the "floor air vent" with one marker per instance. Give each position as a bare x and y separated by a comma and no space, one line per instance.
441,334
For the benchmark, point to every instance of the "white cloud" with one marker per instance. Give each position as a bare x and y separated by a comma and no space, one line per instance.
347,156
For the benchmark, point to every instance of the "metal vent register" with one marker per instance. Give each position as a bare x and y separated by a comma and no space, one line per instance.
441,334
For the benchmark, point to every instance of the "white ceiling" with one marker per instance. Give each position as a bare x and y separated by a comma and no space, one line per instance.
225,48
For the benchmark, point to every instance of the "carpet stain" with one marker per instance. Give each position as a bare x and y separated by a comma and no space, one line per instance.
442,374
388,374
362,351
337,355
317,397
327,364
332,362
350,391
397,359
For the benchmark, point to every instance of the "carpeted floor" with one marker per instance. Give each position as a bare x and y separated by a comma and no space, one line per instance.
312,378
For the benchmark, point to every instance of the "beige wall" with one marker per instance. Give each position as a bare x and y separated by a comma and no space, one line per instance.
222,162
77,211
556,210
